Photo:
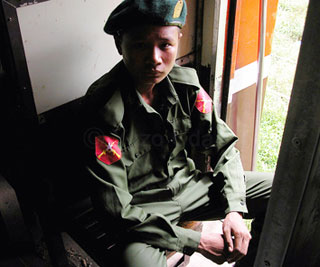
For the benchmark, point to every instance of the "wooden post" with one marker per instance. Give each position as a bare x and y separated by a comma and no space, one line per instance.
291,235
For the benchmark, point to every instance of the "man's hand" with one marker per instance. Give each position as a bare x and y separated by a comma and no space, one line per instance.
212,246
237,236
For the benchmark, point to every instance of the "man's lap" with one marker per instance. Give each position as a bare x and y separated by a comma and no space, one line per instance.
201,199
195,203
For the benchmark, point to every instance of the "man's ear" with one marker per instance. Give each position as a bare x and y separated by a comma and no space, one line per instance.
117,40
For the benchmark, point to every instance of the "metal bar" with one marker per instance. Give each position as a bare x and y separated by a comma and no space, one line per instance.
187,60
228,59
259,92
214,49
21,3
297,172
16,66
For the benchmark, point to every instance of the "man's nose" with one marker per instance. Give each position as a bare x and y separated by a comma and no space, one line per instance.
155,56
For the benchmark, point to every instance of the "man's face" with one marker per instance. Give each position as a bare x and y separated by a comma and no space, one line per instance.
149,52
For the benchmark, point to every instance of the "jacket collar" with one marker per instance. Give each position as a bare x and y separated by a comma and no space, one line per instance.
167,92
124,93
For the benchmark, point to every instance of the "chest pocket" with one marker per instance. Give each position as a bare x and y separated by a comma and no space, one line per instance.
180,121
137,157
181,127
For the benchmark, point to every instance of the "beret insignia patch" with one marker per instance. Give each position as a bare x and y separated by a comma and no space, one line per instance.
107,149
204,102
178,9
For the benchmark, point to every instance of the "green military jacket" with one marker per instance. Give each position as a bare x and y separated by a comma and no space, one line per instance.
141,150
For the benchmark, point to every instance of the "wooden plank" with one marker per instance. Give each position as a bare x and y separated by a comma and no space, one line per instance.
304,245
291,233
11,216
76,255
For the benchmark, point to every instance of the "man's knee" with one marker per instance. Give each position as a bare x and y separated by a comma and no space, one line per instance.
140,254
259,184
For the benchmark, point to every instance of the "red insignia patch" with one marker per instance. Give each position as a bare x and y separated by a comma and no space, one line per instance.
204,102
107,149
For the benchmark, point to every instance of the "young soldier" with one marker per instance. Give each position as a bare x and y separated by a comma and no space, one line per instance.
151,113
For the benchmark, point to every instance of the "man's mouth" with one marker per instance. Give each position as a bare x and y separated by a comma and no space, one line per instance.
153,73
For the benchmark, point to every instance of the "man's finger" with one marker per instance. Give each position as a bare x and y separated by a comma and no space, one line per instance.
237,252
228,238
238,243
241,245
246,242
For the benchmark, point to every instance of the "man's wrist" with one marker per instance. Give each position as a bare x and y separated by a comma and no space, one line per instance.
236,212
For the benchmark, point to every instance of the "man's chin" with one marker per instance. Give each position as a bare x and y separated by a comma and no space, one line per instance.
152,80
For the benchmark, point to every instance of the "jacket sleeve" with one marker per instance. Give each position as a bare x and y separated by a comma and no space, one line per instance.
218,142
136,224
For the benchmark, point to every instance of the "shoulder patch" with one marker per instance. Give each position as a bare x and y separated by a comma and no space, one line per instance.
178,9
107,149
203,102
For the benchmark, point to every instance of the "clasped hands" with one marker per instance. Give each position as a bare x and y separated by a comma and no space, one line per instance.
231,246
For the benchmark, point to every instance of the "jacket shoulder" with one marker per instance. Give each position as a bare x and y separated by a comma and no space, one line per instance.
184,75
105,85
103,98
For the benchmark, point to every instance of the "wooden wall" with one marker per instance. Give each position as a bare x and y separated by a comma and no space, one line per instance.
291,235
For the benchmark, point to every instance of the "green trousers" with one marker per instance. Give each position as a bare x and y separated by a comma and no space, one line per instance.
200,203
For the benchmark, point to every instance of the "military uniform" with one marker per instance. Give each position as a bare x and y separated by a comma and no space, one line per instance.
140,155
141,160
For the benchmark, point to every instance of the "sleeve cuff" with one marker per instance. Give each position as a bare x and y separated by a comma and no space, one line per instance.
236,203
188,240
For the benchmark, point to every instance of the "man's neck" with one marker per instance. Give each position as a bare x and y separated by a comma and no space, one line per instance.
148,94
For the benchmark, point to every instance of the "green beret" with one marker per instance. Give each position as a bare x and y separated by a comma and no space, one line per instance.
158,12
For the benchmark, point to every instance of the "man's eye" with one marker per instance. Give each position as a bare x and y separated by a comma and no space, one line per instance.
166,45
